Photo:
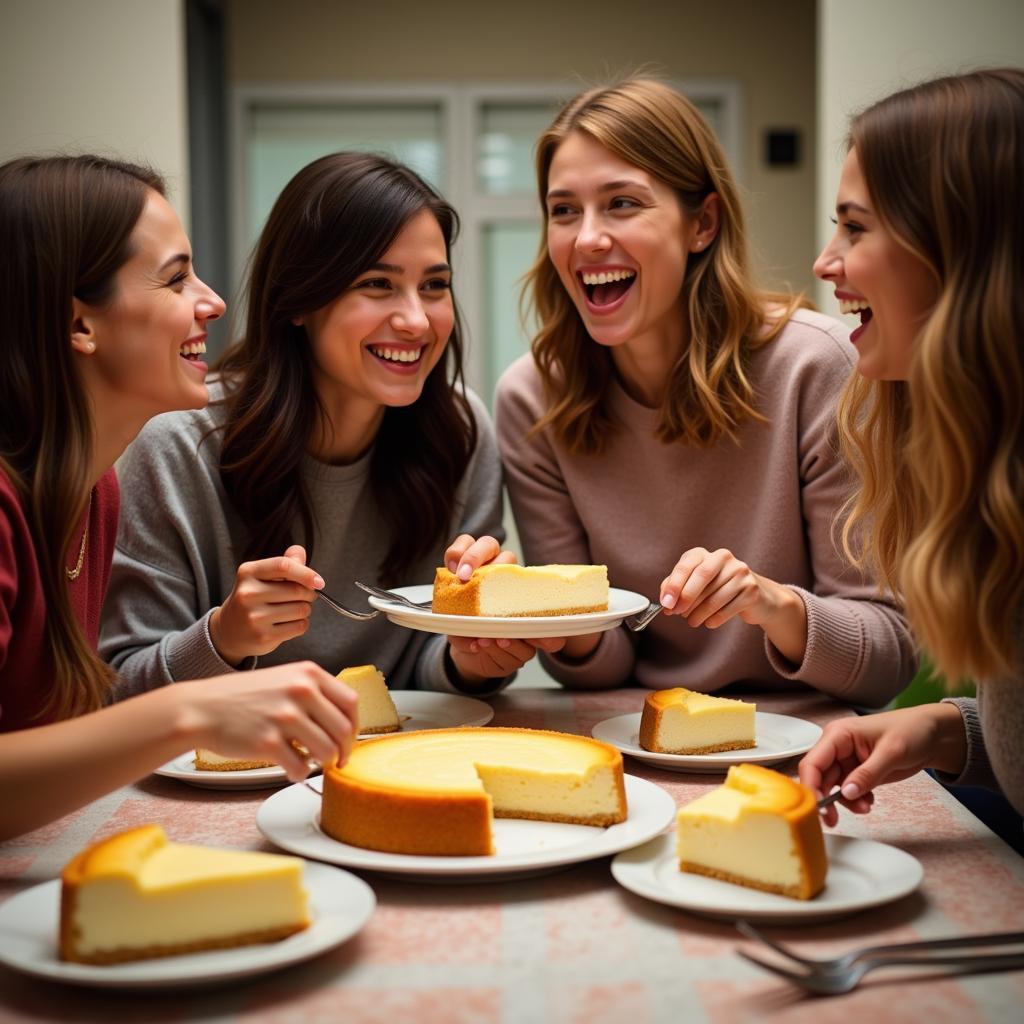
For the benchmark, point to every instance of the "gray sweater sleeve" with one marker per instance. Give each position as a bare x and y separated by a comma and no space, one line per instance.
155,625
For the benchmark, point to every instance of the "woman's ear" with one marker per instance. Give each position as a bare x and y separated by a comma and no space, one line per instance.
709,220
82,337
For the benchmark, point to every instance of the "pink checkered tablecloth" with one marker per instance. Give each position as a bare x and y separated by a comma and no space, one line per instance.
570,946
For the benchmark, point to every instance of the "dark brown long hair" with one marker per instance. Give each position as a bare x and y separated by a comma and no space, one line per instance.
709,393
65,229
333,220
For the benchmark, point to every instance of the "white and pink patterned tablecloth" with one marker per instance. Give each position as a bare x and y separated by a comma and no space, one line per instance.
567,947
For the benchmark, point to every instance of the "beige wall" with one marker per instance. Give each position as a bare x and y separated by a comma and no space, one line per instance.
96,75
874,47
767,47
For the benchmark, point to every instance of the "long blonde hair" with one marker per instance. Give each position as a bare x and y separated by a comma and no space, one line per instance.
939,514
709,394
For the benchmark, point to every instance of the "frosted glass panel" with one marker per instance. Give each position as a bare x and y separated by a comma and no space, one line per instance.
509,251
508,133
282,139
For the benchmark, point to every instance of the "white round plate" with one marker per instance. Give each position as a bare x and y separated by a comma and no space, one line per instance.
779,737
861,874
621,603
418,709
340,904
291,819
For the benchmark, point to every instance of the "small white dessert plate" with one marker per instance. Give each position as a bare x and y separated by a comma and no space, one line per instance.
340,904
779,737
418,709
861,874
621,604
291,819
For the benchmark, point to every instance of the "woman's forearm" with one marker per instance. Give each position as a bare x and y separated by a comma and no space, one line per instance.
49,771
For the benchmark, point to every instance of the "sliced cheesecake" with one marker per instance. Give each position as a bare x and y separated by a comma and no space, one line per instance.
436,792
136,896
519,590
377,712
760,829
680,721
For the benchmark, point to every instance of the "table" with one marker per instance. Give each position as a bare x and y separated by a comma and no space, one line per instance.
567,947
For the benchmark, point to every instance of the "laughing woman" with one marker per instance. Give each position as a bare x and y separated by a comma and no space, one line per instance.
674,423
930,214
100,302
339,437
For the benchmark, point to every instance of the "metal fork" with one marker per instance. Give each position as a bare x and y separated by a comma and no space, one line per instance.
836,982
390,595
349,613
844,962
644,619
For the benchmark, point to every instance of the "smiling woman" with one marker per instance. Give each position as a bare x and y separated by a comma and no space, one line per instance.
101,304
675,423
340,438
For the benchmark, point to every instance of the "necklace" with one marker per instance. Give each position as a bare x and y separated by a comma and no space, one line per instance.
73,574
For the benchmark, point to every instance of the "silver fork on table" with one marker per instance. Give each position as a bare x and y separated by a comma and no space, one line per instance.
841,974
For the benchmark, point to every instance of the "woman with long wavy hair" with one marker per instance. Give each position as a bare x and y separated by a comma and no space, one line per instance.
102,316
930,214
674,422
340,437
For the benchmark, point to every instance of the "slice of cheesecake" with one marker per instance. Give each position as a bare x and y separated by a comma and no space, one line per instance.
377,711
208,761
136,896
680,721
760,829
518,590
435,792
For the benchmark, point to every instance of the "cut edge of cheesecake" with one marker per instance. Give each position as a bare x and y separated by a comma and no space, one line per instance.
452,596
377,712
662,706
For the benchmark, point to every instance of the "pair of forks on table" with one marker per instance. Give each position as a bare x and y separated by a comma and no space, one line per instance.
1000,952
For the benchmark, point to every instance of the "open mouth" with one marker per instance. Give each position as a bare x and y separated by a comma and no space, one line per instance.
856,306
193,350
398,356
606,287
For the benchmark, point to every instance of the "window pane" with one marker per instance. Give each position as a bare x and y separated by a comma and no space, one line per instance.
283,138
509,251
508,134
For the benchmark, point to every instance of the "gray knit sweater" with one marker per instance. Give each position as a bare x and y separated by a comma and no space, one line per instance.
180,542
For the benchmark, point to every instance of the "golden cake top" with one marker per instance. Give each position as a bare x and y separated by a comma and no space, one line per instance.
446,759
568,573
357,672
692,701
751,788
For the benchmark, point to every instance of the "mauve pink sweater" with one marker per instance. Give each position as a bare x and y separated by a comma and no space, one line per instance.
770,500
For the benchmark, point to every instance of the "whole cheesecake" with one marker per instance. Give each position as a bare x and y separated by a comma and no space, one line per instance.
436,792
681,721
760,829
520,590
136,896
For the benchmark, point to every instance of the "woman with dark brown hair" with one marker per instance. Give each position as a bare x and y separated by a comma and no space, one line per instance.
341,438
103,315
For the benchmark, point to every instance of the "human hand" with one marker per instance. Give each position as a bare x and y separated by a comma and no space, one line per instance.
859,753
481,658
467,553
270,603
261,714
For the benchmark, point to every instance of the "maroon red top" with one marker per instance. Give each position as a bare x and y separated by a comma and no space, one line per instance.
26,670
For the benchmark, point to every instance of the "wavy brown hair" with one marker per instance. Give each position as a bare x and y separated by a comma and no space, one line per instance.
939,514
333,220
708,394
65,229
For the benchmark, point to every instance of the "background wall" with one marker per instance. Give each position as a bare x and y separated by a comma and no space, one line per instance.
767,48
869,49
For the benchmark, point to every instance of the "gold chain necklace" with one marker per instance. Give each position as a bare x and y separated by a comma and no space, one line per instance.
73,574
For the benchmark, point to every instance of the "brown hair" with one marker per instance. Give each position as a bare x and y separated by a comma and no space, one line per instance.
940,457
709,394
65,230
334,219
